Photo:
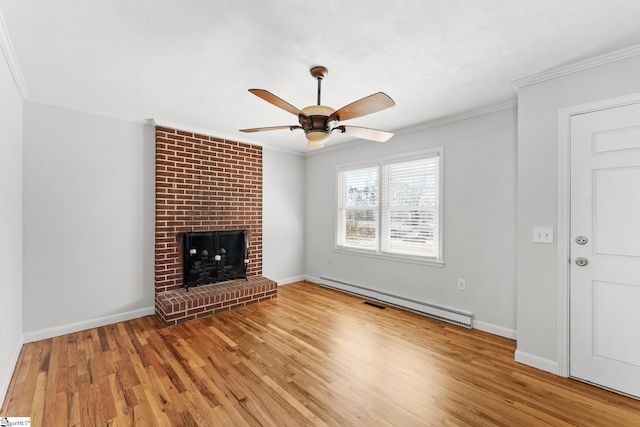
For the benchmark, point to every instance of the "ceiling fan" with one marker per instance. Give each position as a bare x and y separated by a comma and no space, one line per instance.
318,121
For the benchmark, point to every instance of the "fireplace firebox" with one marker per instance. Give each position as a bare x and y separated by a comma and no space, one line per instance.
215,256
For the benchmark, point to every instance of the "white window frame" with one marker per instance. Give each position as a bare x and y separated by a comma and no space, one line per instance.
378,252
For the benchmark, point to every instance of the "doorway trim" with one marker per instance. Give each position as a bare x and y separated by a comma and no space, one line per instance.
564,212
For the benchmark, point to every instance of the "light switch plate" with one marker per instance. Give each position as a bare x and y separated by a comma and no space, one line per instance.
543,234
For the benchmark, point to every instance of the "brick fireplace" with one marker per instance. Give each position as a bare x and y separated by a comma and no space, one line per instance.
203,184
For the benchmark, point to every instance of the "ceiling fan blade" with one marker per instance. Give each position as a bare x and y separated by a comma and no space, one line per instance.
272,99
370,104
365,133
291,127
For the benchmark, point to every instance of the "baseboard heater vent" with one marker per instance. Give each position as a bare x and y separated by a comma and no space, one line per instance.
446,314
373,304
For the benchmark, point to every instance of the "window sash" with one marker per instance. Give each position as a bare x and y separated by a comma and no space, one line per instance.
358,210
409,217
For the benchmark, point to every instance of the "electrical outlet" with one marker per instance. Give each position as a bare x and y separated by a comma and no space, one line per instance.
462,285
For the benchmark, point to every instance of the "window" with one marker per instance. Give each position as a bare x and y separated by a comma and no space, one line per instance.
392,207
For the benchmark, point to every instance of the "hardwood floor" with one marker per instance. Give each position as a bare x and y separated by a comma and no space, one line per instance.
313,356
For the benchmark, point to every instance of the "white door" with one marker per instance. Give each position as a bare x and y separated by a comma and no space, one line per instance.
605,232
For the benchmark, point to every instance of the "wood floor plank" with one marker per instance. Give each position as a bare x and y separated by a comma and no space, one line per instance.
52,370
313,356
123,409
38,402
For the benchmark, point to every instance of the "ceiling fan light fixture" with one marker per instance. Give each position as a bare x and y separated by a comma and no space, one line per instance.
313,120
317,139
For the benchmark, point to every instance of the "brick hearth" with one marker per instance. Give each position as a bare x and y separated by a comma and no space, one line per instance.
179,306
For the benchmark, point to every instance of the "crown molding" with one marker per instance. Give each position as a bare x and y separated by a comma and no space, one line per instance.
215,134
578,66
199,130
426,125
7,48
85,110
283,150
195,129
459,117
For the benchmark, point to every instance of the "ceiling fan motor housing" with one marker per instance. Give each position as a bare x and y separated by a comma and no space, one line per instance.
315,118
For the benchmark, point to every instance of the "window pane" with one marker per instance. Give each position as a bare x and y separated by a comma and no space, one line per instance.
412,232
361,188
360,228
412,183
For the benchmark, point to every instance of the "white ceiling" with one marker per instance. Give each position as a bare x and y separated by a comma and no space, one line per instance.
190,63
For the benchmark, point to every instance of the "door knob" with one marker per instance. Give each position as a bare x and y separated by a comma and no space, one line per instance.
582,261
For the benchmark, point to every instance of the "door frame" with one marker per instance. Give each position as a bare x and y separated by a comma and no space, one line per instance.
564,213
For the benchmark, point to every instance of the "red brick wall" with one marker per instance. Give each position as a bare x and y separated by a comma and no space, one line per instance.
204,183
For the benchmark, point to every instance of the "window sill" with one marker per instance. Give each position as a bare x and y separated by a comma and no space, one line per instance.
390,257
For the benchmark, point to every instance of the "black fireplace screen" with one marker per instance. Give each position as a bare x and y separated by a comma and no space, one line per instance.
214,256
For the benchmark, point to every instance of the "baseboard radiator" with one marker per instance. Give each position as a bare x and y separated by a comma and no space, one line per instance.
446,314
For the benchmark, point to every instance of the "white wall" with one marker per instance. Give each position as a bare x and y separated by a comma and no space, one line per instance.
479,221
88,220
10,225
282,216
537,264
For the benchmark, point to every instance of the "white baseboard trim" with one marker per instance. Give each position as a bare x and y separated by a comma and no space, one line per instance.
495,330
4,386
87,324
537,362
289,280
